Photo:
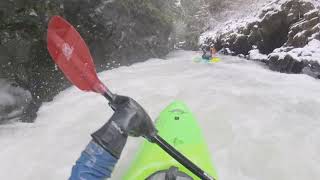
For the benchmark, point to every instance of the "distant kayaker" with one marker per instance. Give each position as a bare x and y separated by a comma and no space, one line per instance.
100,156
208,52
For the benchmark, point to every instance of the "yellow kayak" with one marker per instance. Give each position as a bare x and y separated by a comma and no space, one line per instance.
213,60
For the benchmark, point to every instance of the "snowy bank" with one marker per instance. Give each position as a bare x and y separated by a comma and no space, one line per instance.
284,34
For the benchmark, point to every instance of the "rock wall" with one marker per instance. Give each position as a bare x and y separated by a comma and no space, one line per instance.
283,32
118,33
191,18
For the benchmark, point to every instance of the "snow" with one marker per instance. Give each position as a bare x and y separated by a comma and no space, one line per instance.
316,3
299,34
254,54
259,124
103,4
178,3
310,12
231,25
310,52
33,13
247,13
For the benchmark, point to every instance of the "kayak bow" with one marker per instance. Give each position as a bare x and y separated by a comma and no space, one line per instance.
177,125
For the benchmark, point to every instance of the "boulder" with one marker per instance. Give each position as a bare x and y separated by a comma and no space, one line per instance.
240,45
285,65
255,36
14,100
312,69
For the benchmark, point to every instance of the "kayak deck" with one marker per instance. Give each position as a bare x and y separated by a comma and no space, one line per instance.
177,125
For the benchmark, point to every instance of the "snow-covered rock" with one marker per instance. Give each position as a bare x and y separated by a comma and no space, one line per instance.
255,54
286,32
297,60
13,100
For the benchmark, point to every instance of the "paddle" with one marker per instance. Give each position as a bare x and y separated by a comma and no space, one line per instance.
71,54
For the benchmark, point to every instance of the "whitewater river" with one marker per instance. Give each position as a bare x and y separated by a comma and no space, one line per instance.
259,124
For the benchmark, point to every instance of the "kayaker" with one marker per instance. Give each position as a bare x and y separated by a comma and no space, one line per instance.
100,156
208,52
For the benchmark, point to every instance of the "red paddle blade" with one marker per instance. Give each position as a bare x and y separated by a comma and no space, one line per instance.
71,54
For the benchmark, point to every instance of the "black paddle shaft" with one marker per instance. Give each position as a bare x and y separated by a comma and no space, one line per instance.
109,95
181,158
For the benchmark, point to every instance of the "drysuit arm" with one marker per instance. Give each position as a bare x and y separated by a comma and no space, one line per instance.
95,163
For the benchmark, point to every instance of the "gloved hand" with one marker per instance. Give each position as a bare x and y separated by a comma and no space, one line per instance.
129,118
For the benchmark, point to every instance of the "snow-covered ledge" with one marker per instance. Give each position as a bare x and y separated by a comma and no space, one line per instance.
284,34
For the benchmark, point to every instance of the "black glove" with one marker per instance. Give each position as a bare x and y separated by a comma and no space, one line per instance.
129,118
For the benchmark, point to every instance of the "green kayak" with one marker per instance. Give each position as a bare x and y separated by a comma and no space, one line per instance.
177,125
201,60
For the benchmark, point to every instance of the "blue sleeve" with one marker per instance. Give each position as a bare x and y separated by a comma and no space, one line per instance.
94,164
